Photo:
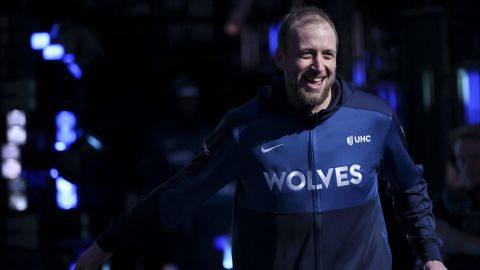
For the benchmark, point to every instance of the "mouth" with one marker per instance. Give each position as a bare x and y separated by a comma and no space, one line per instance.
314,83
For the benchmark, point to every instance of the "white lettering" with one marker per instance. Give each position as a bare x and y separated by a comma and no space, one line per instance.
297,180
290,183
340,173
359,139
274,180
355,172
325,179
310,182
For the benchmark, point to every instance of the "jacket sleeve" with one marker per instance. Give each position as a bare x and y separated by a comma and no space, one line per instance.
177,198
412,205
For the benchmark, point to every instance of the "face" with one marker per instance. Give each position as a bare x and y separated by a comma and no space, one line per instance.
308,63
467,153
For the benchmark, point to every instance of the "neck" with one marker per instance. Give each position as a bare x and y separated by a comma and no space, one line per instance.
325,102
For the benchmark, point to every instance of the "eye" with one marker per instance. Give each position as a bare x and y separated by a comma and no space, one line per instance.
328,55
306,55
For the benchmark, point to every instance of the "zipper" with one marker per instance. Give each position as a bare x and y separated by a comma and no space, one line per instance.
316,217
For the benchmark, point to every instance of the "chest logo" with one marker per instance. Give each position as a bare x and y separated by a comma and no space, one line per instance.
351,140
266,150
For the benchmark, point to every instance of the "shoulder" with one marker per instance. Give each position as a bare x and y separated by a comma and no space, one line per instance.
248,112
366,101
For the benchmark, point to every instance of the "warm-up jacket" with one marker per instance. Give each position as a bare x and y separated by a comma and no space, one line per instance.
307,185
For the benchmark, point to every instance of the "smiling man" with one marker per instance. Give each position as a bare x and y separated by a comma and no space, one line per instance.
306,154
307,55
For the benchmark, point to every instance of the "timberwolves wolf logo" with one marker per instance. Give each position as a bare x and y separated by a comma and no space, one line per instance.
358,139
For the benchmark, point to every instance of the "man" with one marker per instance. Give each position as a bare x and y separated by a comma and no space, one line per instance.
306,154
458,210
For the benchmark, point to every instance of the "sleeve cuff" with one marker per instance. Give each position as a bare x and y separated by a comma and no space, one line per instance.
429,251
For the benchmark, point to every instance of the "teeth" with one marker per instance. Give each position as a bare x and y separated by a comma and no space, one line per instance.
316,80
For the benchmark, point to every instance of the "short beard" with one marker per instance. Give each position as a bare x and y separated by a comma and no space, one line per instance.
306,100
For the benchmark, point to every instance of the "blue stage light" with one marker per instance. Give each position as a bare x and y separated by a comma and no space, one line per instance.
16,135
53,173
68,58
11,169
66,120
66,130
388,91
18,201
60,146
66,194
359,73
469,93
66,136
55,30
16,118
222,243
53,52
272,38
40,40
10,151
94,142
75,70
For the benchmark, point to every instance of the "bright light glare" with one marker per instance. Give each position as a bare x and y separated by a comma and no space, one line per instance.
227,258
11,169
106,266
222,243
272,39
66,194
16,135
66,120
10,150
75,70
17,202
67,136
39,40
68,58
94,142
53,52
468,84
16,118
60,146
54,173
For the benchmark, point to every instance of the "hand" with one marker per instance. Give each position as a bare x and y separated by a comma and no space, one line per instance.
434,265
92,258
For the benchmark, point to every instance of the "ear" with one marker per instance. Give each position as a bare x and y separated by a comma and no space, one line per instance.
279,59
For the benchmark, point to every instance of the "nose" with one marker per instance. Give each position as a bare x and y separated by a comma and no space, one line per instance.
317,63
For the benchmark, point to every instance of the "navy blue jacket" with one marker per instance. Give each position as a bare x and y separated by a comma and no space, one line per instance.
307,185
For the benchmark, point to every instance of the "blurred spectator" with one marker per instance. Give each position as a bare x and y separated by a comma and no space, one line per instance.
176,140
458,208
171,145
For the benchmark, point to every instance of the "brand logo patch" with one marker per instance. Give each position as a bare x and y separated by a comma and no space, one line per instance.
266,150
358,139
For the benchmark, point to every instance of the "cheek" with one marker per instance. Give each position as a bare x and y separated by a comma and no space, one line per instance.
333,66
295,69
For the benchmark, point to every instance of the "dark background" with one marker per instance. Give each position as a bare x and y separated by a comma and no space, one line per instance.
131,50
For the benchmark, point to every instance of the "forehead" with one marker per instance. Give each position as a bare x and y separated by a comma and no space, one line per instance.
312,32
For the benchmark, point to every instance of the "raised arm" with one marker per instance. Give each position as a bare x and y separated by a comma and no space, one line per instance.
168,204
